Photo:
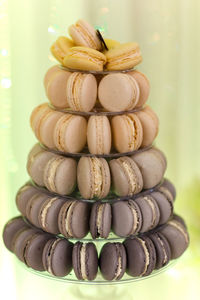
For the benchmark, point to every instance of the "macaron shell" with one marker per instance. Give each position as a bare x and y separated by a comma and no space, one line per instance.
60,175
165,207
169,185
83,34
56,89
127,132
121,178
70,133
60,48
37,115
99,135
10,229
163,252
144,86
33,251
115,87
22,197
152,255
100,220
151,166
150,123
47,127
123,57
50,72
150,212
123,218
33,207
177,237
48,214
112,254
81,91
83,58
36,163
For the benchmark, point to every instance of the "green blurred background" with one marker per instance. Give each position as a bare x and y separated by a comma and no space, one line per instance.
168,32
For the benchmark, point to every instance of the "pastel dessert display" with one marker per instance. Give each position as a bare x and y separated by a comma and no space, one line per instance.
97,206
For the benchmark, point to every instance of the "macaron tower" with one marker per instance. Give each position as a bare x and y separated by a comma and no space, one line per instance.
97,206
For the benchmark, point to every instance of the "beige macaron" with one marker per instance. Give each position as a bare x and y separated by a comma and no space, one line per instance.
70,133
118,92
150,125
56,88
99,135
127,132
93,177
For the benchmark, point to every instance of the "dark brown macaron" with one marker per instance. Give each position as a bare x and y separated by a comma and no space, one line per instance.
73,219
165,206
100,220
33,207
112,261
150,212
23,195
177,237
163,252
33,249
170,187
57,257
126,218
141,256
48,214
10,229
85,261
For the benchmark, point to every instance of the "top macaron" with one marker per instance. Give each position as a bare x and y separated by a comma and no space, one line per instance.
88,51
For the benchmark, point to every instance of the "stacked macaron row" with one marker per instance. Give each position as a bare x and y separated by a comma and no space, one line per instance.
95,177
86,92
70,133
74,219
95,173
137,256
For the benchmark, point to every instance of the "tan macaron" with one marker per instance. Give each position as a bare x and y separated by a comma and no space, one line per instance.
127,132
144,86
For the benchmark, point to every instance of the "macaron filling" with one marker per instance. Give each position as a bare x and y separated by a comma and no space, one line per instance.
52,167
133,132
164,250
147,258
150,203
61,132
97,176
119,268
50,253
45,211
73,86
124,58
99,218
67,219
83,262
135,218
131,177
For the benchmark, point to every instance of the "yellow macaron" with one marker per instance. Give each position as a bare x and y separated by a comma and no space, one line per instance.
123,57
60,48
84,58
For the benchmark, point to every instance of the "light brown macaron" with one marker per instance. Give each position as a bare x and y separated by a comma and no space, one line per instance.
144,86
36,116
56,88
118,92
49,73
152,164
60,47
99,135
70,133
93,177
127,132
150,125
60,175
81,91
126,176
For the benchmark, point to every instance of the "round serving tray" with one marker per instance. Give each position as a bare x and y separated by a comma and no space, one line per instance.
104,72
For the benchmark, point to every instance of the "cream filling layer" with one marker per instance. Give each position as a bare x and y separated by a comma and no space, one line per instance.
67,219
49,257
52,167
119,267
45,211
98,178
131,175
179,227
164,251
146,254
135,219
83,261
133,130
61,133
153,210
99,218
